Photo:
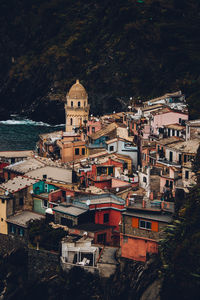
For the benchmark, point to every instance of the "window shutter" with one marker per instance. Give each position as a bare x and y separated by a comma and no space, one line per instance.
154,226
135,222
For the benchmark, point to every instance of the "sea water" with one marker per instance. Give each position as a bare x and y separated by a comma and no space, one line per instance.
23,134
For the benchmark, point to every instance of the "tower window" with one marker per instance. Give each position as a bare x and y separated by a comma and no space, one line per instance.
76,151
72,103
71,121
79,103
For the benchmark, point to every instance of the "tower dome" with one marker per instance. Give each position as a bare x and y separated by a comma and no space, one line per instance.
77,91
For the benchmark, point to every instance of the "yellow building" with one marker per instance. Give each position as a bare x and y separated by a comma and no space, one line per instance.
76,107
4,204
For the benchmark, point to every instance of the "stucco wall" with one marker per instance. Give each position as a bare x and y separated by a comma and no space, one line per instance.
136,248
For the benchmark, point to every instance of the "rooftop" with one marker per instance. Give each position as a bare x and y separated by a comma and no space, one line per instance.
190,146
169,140
25,166
70,210
52,174
104,131
193,123
100,199
77,91
23,218
15,154
157,216
175,126
51,136
17,183
167,95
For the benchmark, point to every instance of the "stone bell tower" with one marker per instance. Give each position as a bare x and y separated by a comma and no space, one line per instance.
76,107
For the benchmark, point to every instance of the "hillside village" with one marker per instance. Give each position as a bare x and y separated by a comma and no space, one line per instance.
112,183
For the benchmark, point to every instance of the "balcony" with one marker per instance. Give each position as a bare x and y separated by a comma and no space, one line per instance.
168,163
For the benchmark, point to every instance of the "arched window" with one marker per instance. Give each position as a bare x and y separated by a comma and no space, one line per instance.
72,104
71,121
79,103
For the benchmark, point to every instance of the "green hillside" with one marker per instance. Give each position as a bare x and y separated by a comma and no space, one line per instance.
124,48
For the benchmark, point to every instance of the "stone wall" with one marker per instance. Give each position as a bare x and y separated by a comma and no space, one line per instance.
42,263
129,229
9,243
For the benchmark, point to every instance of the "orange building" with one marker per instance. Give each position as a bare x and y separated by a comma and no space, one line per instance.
141,230
72,147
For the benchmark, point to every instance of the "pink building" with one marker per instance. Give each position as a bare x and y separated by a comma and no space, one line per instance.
167,117
93,126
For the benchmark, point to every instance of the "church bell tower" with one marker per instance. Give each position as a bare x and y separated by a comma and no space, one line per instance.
76,107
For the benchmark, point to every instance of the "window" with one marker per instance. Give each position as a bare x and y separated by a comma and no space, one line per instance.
111,148
21,231
185,158
12,229
71,121
168,132
180,120
177,133
46,188
180,158
93,129
171,156
173,132
72,104
144,224
66,222
167,183
84,103
101,238
2,201
79,103
144,179
106,218
186,174
76,151
171,184
1,219
21,201
45,203
158,148
83,151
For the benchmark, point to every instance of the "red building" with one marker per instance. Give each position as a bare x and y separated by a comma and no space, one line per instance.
98,215
142,227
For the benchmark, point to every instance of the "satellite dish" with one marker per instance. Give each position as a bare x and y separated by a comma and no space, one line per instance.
49,211
117,189
88,202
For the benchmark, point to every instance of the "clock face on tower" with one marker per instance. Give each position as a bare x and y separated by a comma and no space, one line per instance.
76,107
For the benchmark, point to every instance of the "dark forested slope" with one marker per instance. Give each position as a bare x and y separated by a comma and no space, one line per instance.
138,48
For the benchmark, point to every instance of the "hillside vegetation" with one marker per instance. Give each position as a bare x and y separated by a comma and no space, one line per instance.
124,48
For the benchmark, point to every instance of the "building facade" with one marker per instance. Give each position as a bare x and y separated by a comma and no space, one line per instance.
76,107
